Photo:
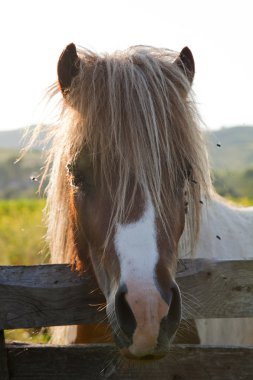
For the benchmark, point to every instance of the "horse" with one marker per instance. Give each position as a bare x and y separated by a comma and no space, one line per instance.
130,191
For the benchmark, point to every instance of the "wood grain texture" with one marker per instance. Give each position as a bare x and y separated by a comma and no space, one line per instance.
4,373
51,295
99,362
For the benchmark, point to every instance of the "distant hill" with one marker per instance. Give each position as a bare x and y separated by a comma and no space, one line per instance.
16,177
234,154
11,139
236,150
17,138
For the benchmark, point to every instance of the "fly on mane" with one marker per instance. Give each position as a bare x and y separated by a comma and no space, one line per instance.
133,113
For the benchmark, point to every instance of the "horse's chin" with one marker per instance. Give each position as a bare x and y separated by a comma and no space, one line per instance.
145,358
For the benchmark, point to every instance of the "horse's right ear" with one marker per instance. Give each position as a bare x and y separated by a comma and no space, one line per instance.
68,68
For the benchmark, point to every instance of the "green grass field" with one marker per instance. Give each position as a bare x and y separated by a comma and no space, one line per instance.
242,201
22,243
21,232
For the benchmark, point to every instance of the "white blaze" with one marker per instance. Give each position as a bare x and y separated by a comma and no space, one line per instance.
136,247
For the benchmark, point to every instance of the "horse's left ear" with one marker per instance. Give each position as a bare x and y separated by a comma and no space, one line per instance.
185,62
68,67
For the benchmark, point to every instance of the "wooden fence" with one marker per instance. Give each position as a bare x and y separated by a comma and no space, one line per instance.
53,295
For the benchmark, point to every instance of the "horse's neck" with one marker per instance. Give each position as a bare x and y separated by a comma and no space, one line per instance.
225,232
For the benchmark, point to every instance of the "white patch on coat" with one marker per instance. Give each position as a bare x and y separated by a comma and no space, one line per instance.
234,226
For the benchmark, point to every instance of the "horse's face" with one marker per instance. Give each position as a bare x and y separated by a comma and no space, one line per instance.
136,267
135,263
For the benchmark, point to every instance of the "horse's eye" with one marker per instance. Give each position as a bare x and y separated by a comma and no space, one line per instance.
69,168
80,177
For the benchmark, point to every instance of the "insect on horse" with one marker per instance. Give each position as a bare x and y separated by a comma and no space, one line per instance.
126,153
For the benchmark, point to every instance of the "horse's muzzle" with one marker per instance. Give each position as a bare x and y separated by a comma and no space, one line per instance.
148,338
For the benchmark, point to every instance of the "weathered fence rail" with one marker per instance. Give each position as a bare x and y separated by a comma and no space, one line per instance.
50,295
95,362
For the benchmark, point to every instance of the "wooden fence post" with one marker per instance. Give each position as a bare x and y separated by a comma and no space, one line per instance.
4,373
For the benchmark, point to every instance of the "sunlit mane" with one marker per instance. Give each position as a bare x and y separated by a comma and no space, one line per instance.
134,112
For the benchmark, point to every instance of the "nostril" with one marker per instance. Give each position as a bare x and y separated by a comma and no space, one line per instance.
124,314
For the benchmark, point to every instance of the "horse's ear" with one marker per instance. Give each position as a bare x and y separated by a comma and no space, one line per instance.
185,62
68,67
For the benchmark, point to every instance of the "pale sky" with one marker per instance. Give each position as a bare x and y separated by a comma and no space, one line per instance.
219,33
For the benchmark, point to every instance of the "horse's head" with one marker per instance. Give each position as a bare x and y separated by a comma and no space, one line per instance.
133,155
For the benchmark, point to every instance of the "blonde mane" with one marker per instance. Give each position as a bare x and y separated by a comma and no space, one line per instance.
134,111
